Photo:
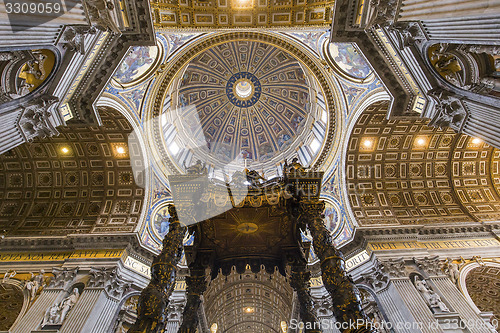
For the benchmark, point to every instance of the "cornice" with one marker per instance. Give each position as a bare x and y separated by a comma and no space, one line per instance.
364,235
129,241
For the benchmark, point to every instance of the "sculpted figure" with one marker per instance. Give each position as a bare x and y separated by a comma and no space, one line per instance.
453,271
52,316
421,286
36,283
68,303
435,301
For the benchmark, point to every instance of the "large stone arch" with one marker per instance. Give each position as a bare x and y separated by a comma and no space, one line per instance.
398,179
90,188
13,304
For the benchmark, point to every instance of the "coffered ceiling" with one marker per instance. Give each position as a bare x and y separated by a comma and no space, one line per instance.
404,172
78,182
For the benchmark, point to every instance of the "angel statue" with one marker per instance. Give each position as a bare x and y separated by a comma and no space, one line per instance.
35,283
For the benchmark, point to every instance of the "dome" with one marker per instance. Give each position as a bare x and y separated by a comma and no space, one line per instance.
244,104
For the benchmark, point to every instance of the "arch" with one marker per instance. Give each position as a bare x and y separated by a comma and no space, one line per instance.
369,100
466,280
270,300
24,73
125,314
13,303
400,171
78,182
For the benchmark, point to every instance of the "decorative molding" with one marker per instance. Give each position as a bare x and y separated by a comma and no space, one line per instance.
395,268
378,278
62,277
430,265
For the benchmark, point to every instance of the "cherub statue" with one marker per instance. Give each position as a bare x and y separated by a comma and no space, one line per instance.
52,316
8,275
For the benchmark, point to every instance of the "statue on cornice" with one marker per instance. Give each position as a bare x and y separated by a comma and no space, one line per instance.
254,178
36,283
198,168
8,275
453,270
99,14
382,13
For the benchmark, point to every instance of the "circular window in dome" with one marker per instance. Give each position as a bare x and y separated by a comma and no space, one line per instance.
260,120
243,89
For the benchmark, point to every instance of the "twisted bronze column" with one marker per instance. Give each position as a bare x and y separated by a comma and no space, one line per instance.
300,283
345,296
196,285
153,301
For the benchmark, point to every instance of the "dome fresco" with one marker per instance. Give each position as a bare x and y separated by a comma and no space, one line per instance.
243,100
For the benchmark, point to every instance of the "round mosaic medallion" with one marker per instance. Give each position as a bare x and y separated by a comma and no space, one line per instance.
243,89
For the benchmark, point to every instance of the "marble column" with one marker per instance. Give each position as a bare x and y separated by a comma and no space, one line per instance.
396,310
99,302
459,303
35,314
418,308
154,298
32,320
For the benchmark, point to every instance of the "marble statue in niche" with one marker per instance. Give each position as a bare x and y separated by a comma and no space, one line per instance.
57,313
432,299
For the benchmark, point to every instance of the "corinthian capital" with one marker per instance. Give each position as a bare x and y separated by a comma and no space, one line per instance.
394,267
35,120
377,279
450,112
62,277
431,265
